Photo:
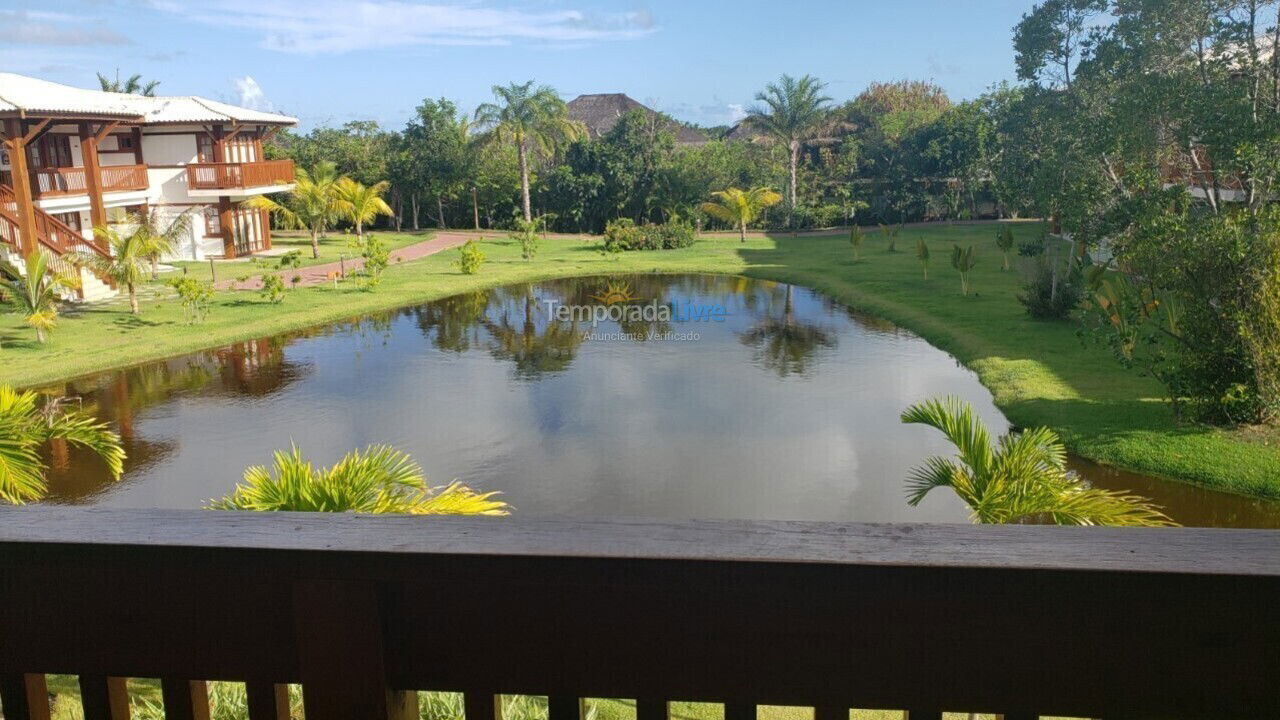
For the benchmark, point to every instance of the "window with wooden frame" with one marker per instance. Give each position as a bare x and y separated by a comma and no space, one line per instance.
212,221
50,151
204,148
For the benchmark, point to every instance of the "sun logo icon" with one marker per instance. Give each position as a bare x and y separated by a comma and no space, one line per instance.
612,294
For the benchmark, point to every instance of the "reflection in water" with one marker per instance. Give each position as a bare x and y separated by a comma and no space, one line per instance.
786,409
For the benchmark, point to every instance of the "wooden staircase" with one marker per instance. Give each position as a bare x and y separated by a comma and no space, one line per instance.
58,239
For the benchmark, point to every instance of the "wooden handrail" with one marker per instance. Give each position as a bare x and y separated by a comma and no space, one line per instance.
51,232
231,175
363,610
56,182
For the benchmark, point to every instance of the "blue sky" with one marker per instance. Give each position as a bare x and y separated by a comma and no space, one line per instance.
330,61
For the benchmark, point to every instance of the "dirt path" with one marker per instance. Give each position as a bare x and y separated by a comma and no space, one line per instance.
319,274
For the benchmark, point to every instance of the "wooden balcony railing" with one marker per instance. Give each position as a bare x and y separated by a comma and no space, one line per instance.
363,611
230,176
56,182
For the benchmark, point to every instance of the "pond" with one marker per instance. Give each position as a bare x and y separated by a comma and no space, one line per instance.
744,399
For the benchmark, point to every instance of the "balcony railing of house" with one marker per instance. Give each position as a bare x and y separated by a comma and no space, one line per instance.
364,611
227,176
55,182
52,233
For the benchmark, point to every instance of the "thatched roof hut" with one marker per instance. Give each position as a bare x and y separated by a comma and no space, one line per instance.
600,112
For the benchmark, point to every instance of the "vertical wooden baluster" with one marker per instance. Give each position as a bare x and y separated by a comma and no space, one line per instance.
739,711
562,707
185,699
482,706
104,698
341,658
647,709
24,696
267,700
1021,716
923,715
830,712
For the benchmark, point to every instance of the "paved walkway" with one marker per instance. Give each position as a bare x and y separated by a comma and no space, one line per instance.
320,274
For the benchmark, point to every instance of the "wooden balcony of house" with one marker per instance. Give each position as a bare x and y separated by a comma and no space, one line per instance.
63,181
239,175
364,611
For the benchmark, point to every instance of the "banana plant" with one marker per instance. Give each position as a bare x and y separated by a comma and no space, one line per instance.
922,254
963,261
1004,241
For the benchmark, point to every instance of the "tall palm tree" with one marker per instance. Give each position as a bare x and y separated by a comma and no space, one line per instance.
130,257
133,85
534,119
1021,477
361,203
793,109
312,204
162,240
740,207
378,479
35,290
26,425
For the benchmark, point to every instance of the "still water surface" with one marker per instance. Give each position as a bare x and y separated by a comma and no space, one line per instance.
785,407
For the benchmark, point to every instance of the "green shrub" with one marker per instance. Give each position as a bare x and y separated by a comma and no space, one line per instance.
1030,248
376,258
1050,297
195,297
291,259
470,258
526,234
623,234
272,288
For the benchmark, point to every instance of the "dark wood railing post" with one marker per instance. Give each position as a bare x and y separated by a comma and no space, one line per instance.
266,700
481,705
830,712
24,696
739,711
647,709
104,698
563,707
341,660
185,699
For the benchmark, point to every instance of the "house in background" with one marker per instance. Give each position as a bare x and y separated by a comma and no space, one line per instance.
73,159
600,112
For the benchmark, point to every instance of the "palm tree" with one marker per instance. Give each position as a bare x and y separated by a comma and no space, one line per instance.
739,207
794,108
162,241
130,256
378,479
1022,477
361,203
35,291
25,426
532,119
312,204
132,86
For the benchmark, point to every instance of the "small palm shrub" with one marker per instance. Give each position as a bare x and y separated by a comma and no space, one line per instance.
272,288
856,238
891,232
963,261
470,258
195,297
1019,478
1052,295
1004,241
378,479
35,291
26,425
922,254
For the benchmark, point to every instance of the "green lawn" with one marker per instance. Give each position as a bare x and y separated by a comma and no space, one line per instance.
1040,372
331,249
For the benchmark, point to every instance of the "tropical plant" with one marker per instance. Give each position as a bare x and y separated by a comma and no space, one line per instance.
34,290
361,203
313,203
922,254
470,258
532,119
195,297
740,207
527,234
856,238
963,261
133,85
26,425
1004,241
378,479
891,233
793,109
161,241
1021,477
272,288
130,253
377,256
290,260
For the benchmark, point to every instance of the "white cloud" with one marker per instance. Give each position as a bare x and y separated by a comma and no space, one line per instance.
54,29
334,26
736,112
250,94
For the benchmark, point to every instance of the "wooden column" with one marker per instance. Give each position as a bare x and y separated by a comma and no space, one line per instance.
341,659
16,142
226,218
92,175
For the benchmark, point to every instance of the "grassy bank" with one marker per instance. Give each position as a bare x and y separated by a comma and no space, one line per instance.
1039,372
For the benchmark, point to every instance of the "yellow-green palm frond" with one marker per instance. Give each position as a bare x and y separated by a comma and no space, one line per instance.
25,426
